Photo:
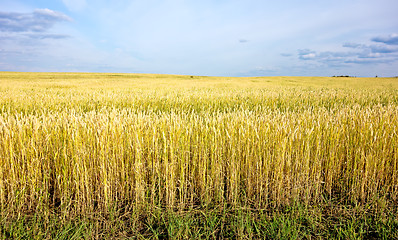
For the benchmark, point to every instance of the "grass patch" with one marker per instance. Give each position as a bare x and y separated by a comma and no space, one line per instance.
294,222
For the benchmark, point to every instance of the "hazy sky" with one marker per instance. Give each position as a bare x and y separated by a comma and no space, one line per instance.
201,37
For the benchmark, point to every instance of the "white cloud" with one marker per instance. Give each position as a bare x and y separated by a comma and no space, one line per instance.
308,56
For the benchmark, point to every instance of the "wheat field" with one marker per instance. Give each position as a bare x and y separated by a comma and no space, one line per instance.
75,145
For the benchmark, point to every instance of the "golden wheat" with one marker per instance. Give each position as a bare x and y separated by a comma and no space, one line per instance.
78,150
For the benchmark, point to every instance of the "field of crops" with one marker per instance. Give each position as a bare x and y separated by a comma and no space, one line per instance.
89,155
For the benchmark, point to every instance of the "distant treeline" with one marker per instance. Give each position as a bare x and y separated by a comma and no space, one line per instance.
345,76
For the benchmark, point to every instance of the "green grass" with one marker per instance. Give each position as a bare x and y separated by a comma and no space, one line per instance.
86,155
292,223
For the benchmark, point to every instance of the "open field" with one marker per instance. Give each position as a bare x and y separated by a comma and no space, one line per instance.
87,155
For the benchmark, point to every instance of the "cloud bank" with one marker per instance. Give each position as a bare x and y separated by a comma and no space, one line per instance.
382,50
390,40
26,39
25,30
39,20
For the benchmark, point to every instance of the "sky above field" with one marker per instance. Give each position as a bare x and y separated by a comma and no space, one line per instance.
206,37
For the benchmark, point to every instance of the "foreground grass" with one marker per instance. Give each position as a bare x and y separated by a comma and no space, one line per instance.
295,222
162,156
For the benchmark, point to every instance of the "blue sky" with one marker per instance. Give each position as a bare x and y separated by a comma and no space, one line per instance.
213,38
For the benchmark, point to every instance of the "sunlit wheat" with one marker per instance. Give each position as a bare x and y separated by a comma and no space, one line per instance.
84,149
